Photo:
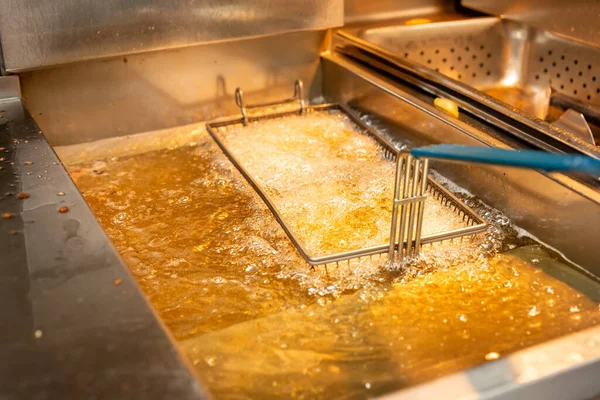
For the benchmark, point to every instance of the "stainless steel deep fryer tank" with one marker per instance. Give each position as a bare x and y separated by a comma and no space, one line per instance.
79,324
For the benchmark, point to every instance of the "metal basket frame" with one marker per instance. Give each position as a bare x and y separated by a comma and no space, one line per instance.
408,203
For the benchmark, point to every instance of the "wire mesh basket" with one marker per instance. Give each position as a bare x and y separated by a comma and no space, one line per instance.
412,186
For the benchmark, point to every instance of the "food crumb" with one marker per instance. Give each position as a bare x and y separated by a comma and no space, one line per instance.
23,196
446,105
28,162
7,215
118,282
63,209
38,334
60,193
492,356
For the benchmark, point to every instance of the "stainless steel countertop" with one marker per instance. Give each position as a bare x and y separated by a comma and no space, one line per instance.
75,324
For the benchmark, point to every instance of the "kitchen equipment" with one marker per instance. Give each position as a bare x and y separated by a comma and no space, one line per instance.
499,67
98,71
410,189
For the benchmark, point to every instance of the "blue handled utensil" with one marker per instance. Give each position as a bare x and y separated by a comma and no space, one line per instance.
513,158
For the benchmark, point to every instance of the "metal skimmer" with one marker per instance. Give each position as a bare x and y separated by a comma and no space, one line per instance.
412,186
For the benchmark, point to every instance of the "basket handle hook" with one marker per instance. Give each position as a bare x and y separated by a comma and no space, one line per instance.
298,97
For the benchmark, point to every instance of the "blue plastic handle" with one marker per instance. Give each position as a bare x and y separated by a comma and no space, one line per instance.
522,158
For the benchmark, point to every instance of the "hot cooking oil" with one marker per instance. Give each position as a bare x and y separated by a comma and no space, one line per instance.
331,184
257,323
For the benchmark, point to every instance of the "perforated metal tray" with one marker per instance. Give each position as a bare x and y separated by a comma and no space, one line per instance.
490,59
508,60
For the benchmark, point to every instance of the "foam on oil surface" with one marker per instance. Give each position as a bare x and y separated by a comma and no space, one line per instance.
331,184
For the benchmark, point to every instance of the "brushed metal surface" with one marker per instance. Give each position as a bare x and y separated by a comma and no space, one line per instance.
38,33
362,11
97,339
145,92
575,18
10,87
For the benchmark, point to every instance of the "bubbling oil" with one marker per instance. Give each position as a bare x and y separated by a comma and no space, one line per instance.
257,323
330,183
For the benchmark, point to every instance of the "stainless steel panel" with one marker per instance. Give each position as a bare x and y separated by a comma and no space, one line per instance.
544,205
575,18
564,369
361,11
37,33
10,87
145,92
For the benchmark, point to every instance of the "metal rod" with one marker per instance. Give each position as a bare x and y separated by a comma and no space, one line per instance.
239,100
397,187
299,93
407,167
411,214
421,206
